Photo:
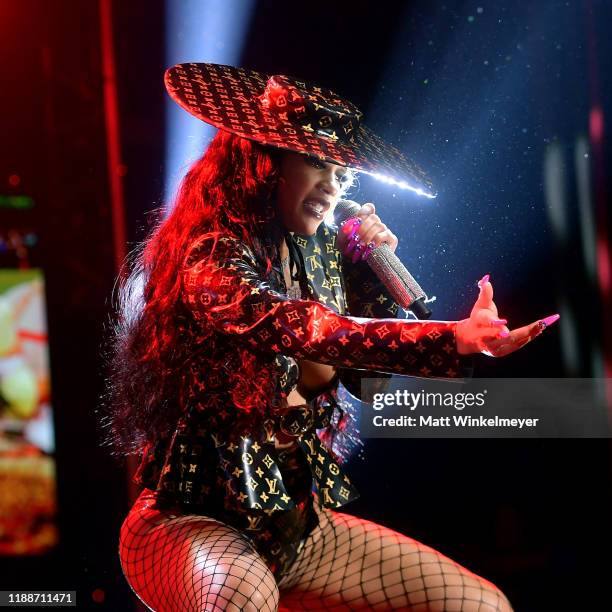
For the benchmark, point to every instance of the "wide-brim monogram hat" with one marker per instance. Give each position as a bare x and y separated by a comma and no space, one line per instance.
288,113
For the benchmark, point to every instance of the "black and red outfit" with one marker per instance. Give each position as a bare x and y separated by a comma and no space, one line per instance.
221,461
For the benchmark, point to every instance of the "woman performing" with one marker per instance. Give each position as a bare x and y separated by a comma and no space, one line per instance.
246,309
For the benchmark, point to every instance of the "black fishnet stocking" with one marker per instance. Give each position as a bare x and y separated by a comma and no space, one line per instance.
348,563
183,563
178,563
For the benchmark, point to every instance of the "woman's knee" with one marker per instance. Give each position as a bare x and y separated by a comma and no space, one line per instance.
246,584
194,563
503,603
475,595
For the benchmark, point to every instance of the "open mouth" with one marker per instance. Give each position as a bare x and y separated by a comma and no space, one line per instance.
316,209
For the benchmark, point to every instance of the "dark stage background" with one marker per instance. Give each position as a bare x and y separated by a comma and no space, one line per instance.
480,94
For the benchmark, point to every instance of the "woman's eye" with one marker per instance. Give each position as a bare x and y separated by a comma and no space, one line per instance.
319,164
316,163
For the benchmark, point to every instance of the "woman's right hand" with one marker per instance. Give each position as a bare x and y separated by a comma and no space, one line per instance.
361,234
484,332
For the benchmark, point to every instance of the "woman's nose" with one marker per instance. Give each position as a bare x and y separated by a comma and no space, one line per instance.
329,186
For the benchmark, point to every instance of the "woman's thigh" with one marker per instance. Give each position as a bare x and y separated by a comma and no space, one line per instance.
349,563
181,563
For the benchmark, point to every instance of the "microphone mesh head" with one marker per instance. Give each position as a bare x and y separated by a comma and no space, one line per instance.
344,210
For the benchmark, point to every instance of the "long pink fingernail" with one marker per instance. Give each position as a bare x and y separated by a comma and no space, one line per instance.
504,334
349,224
367,251
350,248
550,320
354,231
357,249
498,321
483,280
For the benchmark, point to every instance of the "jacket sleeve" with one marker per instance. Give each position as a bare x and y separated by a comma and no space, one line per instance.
226,292
366,296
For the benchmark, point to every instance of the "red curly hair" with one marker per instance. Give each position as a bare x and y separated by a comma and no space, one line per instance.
229,190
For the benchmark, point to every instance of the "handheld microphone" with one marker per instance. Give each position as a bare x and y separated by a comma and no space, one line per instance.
389,269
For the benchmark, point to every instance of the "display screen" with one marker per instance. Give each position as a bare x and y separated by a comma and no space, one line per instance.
27,442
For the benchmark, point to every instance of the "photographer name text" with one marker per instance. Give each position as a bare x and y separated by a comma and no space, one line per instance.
454,421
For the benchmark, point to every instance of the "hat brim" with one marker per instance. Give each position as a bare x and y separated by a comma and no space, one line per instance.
228,98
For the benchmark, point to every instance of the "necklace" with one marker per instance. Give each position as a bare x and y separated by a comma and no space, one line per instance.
294,291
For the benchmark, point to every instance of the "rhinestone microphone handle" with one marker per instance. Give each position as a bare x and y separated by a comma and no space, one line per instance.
389,269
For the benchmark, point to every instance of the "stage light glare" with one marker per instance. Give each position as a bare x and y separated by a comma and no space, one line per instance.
401,184
212,31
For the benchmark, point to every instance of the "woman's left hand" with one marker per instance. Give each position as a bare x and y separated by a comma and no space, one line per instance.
484,332
361,234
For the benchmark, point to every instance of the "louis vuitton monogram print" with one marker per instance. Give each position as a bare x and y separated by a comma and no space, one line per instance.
198,462
355,290
323,267
320,112
227,293
289,114
222,461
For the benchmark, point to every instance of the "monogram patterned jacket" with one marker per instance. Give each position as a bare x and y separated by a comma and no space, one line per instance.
222,453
